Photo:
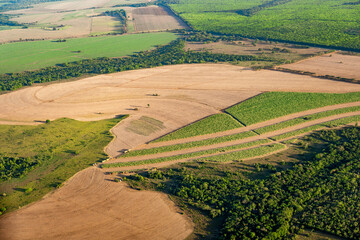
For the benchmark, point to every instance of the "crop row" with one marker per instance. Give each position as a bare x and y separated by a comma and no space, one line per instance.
188,155
300,120
333,123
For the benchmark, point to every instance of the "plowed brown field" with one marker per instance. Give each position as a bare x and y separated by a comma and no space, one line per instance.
90,206
155,18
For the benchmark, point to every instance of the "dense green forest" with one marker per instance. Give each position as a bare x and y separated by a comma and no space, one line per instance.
264,201
333,23
172,53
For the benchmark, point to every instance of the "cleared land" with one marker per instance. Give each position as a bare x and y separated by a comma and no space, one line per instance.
155,18
335,64
92,206
21,56
274,50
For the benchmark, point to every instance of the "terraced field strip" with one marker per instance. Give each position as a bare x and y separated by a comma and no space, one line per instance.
111,167
209,153
335,109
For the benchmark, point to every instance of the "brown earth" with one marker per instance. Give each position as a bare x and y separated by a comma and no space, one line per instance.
335,64
155,18
92,206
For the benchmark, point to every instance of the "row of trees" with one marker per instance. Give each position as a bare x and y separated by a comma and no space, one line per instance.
172,53
322,192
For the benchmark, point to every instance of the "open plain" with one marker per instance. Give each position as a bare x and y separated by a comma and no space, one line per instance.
159,100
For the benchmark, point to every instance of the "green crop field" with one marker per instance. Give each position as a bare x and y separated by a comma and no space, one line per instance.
330,23
307,118
22,56
276,104
215,123
47,155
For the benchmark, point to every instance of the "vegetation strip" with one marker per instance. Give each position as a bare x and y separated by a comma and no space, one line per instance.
333,123
248,153
207,142
184,156
306,118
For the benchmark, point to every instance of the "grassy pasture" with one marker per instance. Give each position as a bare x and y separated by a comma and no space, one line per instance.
66,147
276,104
22,56
215,123
329,23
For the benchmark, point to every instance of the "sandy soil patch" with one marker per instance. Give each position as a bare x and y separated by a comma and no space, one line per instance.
91,206
155,18
174,95
334,64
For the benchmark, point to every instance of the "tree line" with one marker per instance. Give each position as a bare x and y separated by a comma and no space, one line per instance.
172,53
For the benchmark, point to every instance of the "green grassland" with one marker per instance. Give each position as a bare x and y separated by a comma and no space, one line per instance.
329,23
62,147
22,56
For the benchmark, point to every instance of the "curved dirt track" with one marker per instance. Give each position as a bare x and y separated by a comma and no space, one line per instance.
90,206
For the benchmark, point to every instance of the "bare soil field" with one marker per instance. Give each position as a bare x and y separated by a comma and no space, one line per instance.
255,47
335,64
155,18
92,206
